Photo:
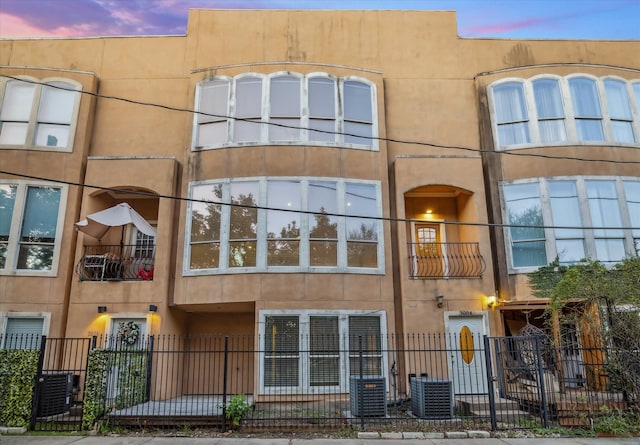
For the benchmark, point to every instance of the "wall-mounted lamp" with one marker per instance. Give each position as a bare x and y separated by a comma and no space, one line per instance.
102,309
440,300
153,308
491,301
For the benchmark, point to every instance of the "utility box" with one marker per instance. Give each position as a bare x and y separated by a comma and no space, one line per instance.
431,398
367,396
56,392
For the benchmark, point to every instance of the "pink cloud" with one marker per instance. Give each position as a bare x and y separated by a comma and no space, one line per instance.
13,26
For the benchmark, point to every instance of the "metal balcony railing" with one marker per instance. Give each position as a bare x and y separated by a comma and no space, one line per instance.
445,260
116,263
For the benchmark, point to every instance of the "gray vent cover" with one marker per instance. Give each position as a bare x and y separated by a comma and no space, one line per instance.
431,398
55,394
368,396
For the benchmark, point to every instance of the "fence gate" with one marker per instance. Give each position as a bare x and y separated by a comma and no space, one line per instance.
59,389
525,374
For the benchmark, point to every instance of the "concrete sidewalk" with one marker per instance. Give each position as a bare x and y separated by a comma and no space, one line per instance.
125,440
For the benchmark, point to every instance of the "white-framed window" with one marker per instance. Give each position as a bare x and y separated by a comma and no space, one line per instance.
285,108
23,330
318,350
573,110
31,222
284,224
572,218
38,115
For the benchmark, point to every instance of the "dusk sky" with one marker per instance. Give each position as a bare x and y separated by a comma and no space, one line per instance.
544,19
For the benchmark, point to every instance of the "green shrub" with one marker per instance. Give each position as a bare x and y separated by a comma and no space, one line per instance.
95,392
17,375
236,410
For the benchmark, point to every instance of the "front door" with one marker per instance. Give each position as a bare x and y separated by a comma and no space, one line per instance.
466,354
429,252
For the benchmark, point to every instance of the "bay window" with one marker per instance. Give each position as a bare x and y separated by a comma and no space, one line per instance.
285,225
285,108
571,110
30,226
572,219
317,350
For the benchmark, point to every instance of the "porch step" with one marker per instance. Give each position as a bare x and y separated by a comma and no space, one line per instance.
478,406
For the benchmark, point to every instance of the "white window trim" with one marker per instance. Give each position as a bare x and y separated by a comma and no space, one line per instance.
33,118
261,262
304,118
16,227
6,315
569,114
343,328
550,239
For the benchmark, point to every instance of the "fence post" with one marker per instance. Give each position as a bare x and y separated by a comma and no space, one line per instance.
490,388
224,384
149,365
360,384
37,380
543,390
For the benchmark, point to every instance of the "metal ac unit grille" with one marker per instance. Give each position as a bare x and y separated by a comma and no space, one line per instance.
368,396
431,398
55,394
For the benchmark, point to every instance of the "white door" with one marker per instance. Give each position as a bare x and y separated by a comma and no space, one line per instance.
467,364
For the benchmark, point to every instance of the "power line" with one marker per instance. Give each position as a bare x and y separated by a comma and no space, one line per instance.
307,212
294,127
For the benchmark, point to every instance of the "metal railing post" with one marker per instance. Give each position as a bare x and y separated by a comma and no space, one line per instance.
37,380
224,384
543,390
360,390
490,388
149,366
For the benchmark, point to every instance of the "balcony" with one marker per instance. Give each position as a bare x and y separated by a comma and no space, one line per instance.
445,260
116,263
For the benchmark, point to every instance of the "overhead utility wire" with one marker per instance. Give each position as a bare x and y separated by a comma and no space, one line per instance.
293,127
306,212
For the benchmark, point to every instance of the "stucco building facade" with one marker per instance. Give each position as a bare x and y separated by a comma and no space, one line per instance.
347,172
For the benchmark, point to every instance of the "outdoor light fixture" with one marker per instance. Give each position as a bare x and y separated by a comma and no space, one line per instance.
153,308
102,309
439,299
491,301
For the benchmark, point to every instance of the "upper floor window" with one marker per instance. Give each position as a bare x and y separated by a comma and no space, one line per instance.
573,219
34,115
285,108
30,226
285,225
549,110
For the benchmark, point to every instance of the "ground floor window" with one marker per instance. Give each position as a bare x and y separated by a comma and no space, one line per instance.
22,331
317,351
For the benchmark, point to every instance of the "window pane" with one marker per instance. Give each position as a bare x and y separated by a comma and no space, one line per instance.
7,202
513,134
322,98
56,105
285,96
283,228
214,100
323,200
565,208
524,209
610,250
243,224
205,226
13,133
326,130
632,191
357,102
362,234
23,333
248,106
324,351
604,208
586,105
364,331
636,94
39,228
17,101
50,135
619,110
282,352
289,132
622,131
509,102
570,250
550,110
354,129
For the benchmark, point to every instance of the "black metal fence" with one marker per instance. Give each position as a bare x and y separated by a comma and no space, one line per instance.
445,260
420,382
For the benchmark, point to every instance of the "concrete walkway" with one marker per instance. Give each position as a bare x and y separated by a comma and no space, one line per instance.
124,440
